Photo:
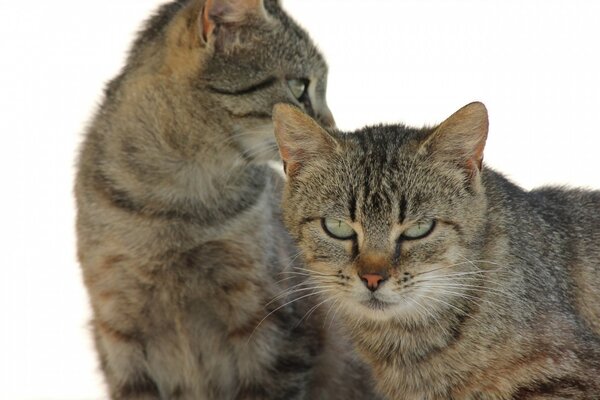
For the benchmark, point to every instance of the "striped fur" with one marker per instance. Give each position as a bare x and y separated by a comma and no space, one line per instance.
499,298
179,234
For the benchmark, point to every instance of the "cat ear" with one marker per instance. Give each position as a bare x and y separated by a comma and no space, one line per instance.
231,12
300,138
461,137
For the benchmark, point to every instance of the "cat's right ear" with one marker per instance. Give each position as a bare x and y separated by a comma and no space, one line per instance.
461,138
230,12
300,138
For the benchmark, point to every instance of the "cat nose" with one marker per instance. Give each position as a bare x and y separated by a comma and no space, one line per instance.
373,281
326,119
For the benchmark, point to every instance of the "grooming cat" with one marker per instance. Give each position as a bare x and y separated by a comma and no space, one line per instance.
179,233
453,282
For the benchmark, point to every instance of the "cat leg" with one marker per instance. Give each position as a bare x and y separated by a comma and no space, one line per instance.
122,359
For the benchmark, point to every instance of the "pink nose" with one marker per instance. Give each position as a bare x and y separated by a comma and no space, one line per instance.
372,281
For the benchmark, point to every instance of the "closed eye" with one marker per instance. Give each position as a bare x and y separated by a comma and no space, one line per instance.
244,90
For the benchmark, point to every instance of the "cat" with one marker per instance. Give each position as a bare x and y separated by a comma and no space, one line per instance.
179,233
453,282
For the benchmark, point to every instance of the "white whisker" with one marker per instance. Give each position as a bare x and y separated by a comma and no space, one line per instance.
460,310
313,309
280,307
290,292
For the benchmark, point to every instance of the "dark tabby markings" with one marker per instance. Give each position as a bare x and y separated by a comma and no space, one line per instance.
402,210
235,287
110,261
289,364
142,385
397,252
116,197
250,89
123,201
355,249
177,393
292,392
453,224
253,391
461,320
244,331
308,220
352,207
560,387
115,334
252,114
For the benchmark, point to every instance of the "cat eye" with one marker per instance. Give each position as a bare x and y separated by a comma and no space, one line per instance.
337,229
419,230
297,87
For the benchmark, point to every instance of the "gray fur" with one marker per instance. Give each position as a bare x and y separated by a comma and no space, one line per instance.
179,234
500,301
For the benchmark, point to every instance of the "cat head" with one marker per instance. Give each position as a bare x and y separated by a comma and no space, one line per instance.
237,58
389,218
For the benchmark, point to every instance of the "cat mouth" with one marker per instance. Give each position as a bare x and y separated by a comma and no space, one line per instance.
375,304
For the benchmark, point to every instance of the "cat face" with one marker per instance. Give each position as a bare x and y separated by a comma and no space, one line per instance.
388,217
241,57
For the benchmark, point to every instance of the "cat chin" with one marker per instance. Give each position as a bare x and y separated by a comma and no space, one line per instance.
257,142
383,311
372,309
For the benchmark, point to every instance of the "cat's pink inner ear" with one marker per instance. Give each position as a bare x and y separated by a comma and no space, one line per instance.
462,136
286,128
207,24
228,12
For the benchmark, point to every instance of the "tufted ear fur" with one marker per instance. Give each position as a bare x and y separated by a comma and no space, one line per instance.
231,12
300,138
461,138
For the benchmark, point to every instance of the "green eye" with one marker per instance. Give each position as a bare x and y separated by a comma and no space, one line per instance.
297,87
419,230
337,229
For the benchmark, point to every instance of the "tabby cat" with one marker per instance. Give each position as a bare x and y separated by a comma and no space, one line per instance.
453,282
179,233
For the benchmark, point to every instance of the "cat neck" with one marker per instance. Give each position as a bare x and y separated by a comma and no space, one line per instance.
171,152
407,343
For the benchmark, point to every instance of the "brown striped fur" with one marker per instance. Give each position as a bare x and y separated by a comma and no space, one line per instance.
497,298
179,234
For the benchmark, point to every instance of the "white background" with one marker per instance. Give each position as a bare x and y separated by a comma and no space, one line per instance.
533,63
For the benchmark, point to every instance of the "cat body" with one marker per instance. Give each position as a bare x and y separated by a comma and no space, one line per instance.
179,234
453,282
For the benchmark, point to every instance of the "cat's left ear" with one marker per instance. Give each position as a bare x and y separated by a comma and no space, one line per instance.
227,12
300,138
461,138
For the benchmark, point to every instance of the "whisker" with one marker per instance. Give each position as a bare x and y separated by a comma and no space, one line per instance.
466,296
468,279
312,272
285,279
470,262
316,275
479,272
472,287
280,307
289,292
329,311
460,310
427,311
293,259
440,268
312,310
339,306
